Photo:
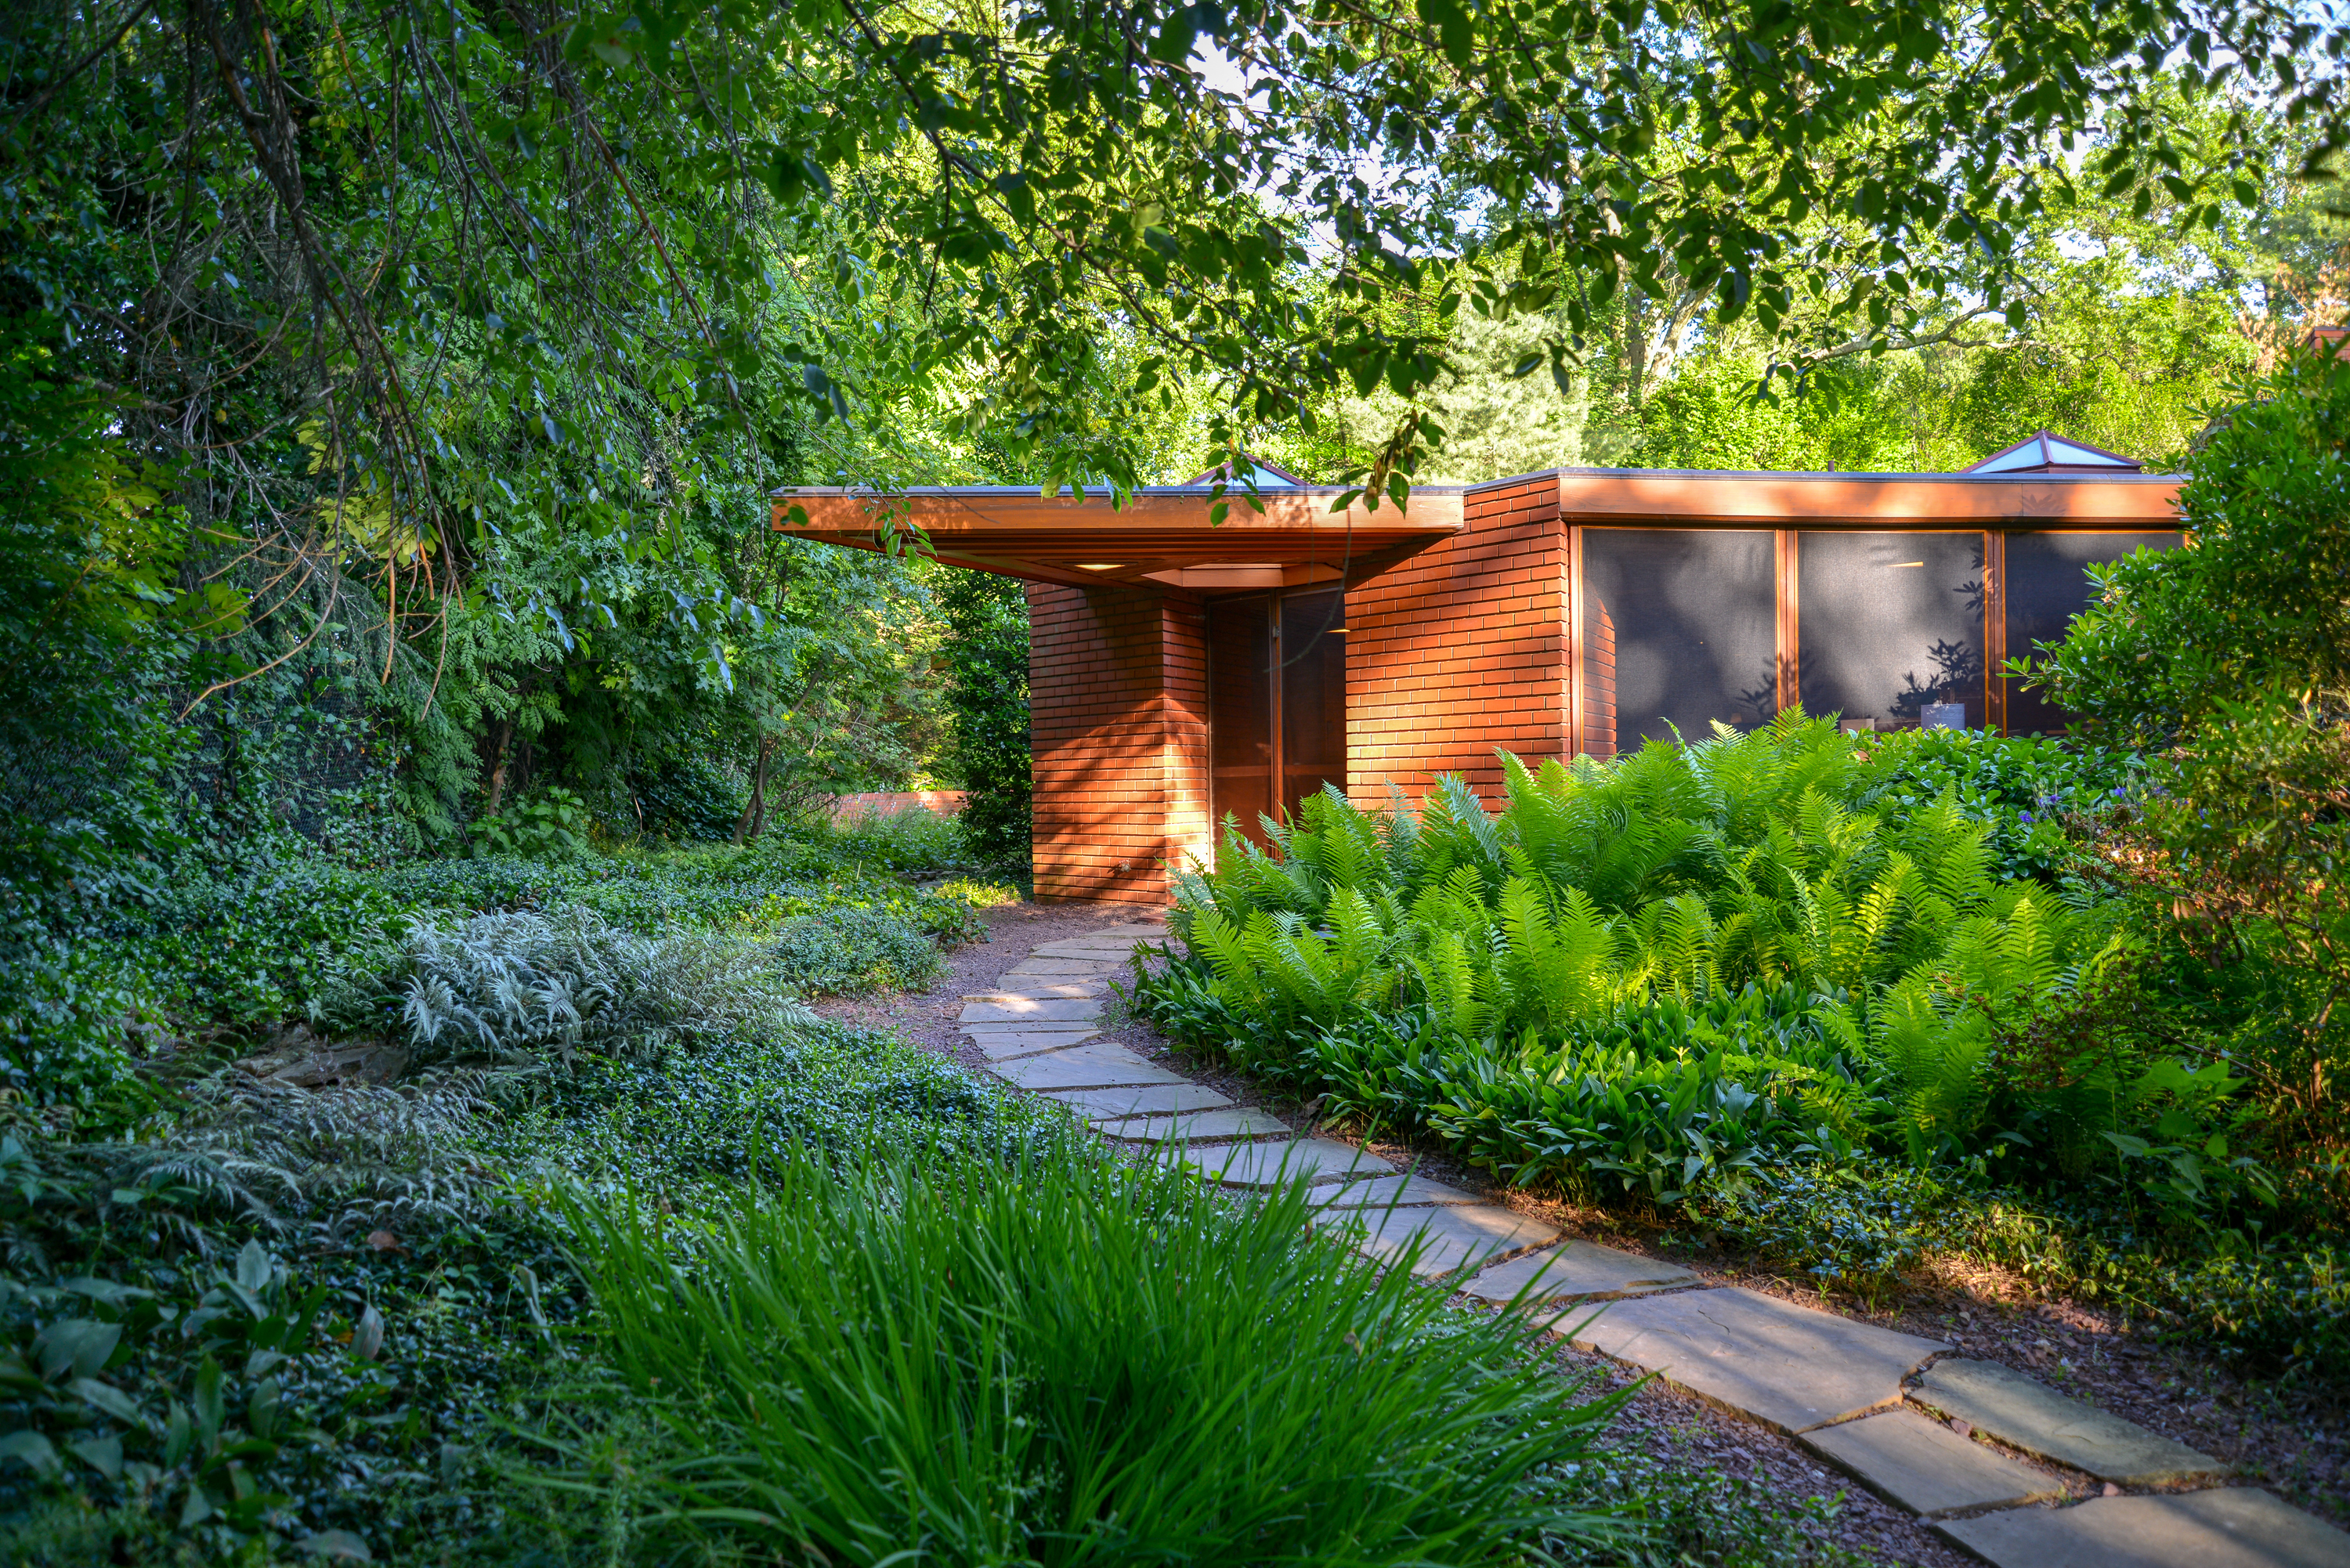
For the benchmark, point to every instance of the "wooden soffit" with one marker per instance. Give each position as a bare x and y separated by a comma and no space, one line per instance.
1160,536
1687,499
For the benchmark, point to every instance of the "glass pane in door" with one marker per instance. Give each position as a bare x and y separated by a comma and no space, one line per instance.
1313,695
1240,697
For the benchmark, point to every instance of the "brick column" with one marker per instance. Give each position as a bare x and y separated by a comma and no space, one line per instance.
1462,649
1117,731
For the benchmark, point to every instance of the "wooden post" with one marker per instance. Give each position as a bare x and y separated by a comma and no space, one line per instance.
1577,686
1789,621
1994,601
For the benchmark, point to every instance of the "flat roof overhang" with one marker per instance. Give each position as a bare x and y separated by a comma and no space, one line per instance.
1164,535
1160,536
1678,498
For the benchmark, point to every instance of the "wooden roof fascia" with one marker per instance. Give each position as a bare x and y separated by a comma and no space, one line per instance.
2122,503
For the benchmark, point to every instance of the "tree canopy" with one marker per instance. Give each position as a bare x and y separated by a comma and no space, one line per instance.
445,351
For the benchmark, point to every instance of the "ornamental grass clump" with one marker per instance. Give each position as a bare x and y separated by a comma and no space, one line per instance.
1067,1361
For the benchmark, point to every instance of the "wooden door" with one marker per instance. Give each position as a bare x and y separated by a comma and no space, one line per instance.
1277,703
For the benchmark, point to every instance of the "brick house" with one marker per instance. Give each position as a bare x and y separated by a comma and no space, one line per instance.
1181,671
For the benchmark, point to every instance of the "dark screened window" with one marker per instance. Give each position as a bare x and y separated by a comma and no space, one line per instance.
1890,622
2047,586
1693,614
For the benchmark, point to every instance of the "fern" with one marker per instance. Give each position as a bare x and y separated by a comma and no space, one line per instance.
1679,878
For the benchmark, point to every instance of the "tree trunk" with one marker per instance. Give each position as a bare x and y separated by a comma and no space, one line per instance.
498,767
753,820
1636,335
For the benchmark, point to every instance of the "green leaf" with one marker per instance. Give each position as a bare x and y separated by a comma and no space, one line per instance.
31,1448
253,1267
341,1544
208,1403
79,1346
103,1454
108,1398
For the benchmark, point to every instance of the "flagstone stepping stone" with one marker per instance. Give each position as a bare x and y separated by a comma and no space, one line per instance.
1926,1468
2029,1415
1404,1191
1577,1268
1024,1010
2232,1527
1450,1238
1035,966
1103,1066
1064,987
1149,1099
1279,1164
1203,1125
1008,1048
1788,1367
1004,1044
1119,956
1132,929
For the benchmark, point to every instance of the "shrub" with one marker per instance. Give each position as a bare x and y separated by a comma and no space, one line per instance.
1072,1361
852,949
986,650
2257,605
2023,790
912,842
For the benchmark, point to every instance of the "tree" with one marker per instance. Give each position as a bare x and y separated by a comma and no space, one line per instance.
986,648
2258,610
465,332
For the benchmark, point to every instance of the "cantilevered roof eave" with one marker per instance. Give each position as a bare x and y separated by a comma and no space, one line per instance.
1160,530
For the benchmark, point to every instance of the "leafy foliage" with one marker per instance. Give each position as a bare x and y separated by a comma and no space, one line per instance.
1740,871
413,1292
1666,971
2260,1292
1069,1361
987,700
2251,610
2231,661
523,990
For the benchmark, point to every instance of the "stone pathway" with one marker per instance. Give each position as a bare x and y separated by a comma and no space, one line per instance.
1889,1409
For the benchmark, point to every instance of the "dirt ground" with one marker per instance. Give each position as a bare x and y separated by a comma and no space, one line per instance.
2293,1445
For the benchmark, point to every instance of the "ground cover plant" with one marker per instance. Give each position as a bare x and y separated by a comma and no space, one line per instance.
412,1317
1762,975
220,944
238,1312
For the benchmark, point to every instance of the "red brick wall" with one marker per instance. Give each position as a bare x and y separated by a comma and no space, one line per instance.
1117,731
1599,689
1461,649
1190,823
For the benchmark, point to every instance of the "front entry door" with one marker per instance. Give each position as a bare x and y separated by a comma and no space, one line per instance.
1277,702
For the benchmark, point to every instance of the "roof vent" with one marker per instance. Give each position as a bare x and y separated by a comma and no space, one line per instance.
1267,476
2045,453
